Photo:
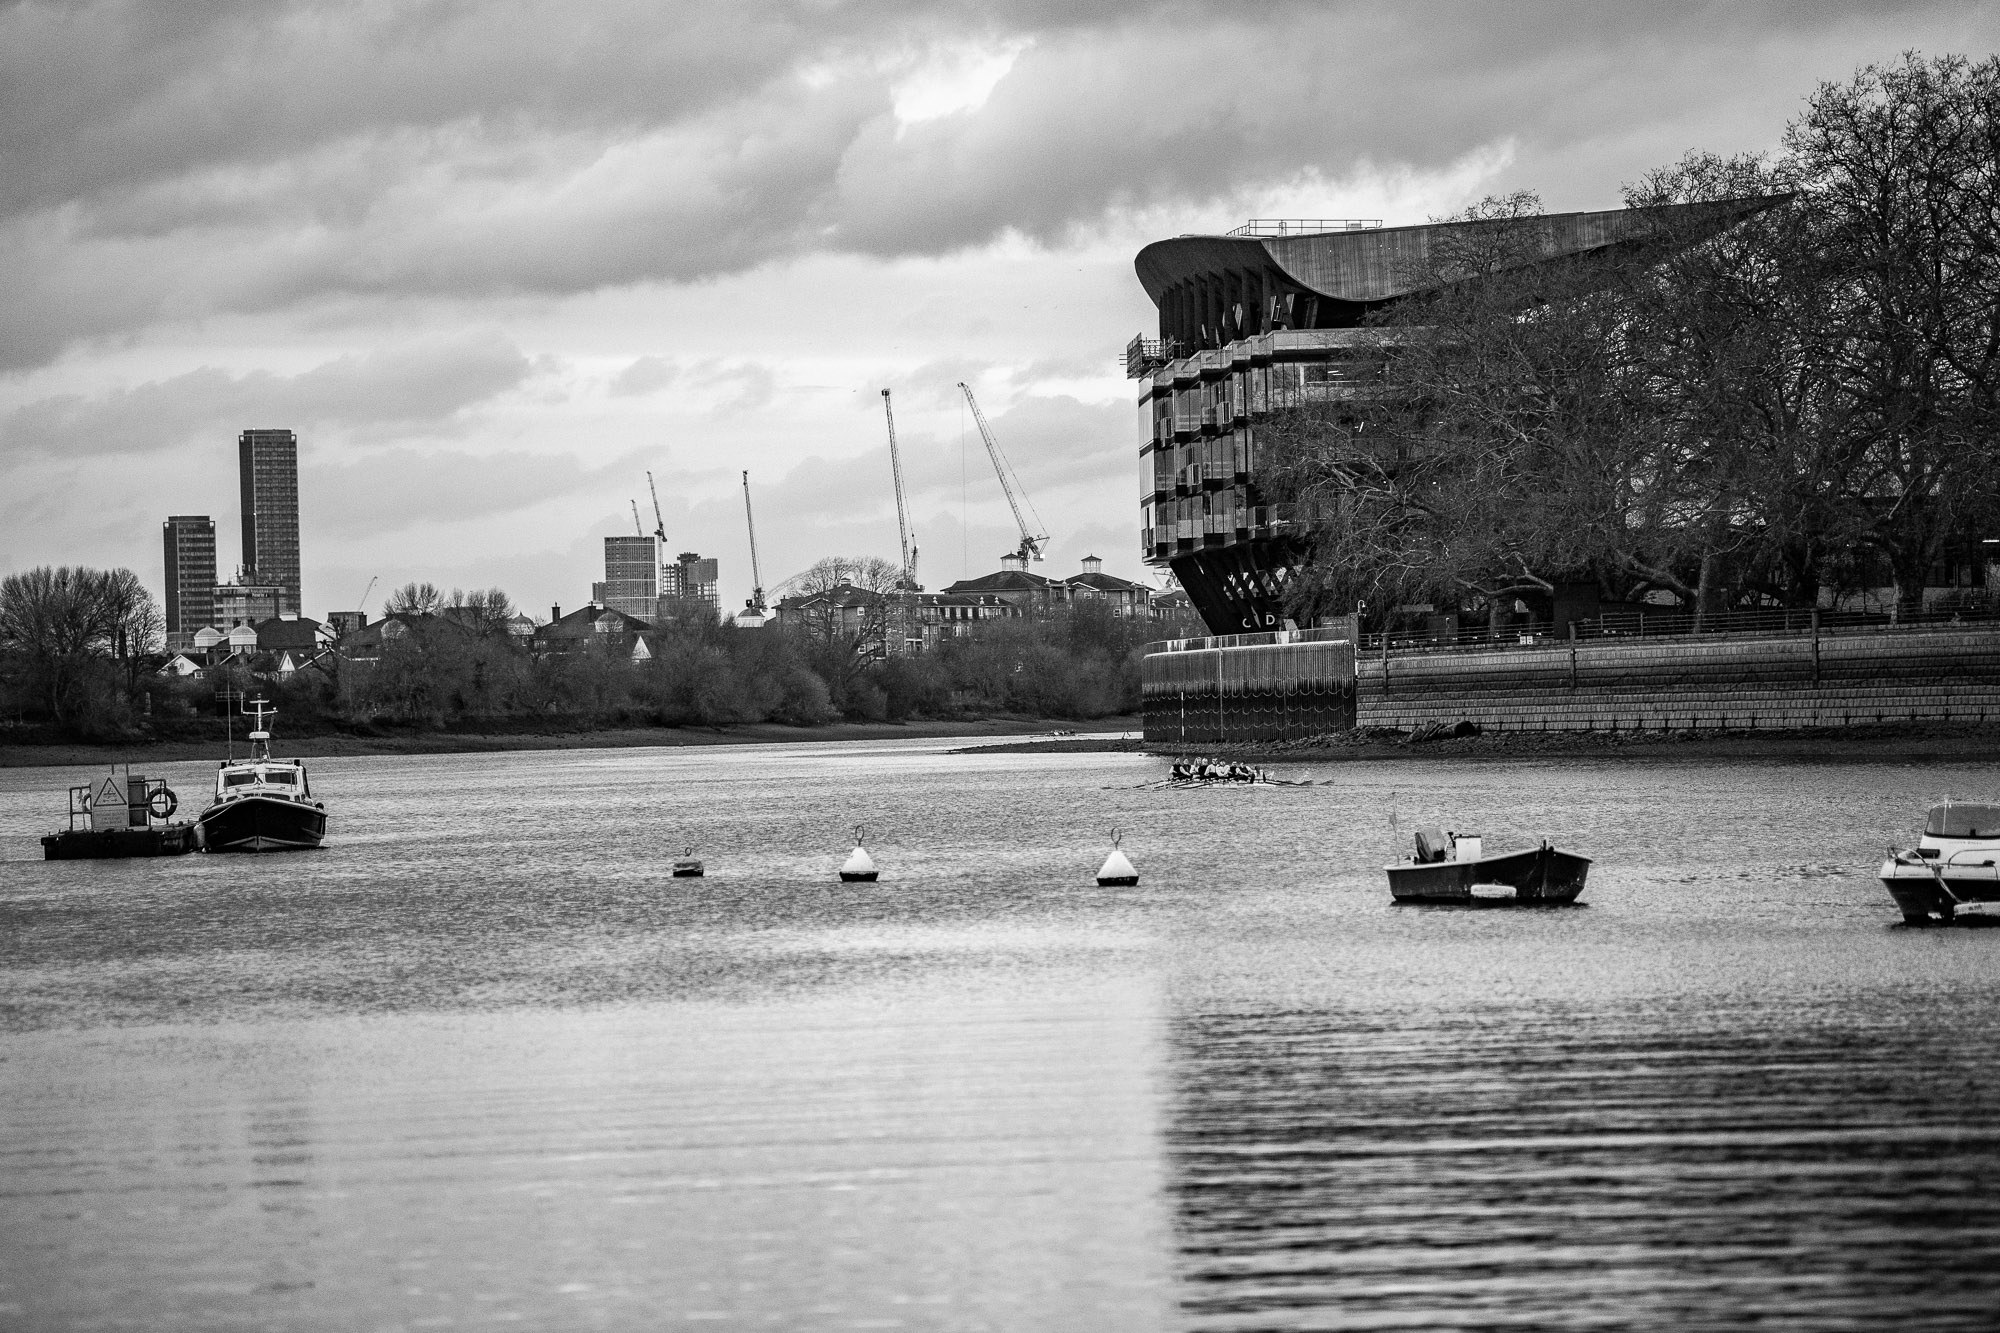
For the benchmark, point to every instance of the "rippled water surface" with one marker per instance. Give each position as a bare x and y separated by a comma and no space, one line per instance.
480,1062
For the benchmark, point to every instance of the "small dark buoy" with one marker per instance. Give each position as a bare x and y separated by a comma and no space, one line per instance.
687,867
859,866
1117,871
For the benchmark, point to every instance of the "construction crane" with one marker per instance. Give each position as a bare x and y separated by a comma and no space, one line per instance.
362,605
908,582
659,524
636,528
1010,483
756,603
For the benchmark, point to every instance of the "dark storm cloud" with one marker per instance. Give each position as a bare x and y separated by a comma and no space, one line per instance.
167,160
417,384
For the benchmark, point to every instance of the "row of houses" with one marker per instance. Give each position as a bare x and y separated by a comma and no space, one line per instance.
902,622
907,623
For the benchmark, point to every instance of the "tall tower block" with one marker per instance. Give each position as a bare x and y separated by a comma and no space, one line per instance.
190,562
268,465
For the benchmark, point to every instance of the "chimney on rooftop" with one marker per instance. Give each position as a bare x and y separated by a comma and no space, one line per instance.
555,611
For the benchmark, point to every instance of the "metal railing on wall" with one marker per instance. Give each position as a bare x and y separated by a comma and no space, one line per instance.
1627,626
1620,626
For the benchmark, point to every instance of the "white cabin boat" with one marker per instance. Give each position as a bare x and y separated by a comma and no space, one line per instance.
262,804
1956,861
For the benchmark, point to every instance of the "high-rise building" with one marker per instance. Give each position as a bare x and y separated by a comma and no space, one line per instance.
268,466
690,576
632,575
190,554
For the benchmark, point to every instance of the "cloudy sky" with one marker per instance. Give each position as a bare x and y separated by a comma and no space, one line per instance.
493,261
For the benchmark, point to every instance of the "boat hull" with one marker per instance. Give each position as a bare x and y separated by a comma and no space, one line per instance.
1923,888
1538,876
262,824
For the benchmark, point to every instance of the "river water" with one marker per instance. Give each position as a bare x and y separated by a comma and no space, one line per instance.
480,1063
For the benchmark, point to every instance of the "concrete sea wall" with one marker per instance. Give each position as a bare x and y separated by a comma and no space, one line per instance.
1199,694
1798,680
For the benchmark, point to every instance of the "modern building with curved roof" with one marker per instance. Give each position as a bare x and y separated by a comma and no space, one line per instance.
1274,314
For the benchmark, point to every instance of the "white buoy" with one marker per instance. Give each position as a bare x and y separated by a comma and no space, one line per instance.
687,867
1117,870
859,867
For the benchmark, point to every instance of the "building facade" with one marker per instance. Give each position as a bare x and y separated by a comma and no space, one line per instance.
1275,314
268,472
189,540
247,603
692,577
631,575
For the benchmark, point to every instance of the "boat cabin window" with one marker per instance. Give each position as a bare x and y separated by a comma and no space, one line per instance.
238,779
1956,819
279,777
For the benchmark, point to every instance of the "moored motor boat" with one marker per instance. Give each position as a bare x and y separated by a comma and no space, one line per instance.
261,804
1953,863
1453,868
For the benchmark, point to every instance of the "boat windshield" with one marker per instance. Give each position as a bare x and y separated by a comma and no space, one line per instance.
238,779
1963,819
279,777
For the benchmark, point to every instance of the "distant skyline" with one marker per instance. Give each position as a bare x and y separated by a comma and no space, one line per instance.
491,263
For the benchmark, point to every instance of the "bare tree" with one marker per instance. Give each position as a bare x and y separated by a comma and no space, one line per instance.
60,622
1901,166
483,613
842,611
1490,452
414,599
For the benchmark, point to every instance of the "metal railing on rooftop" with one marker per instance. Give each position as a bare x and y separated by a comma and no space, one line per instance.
1303,226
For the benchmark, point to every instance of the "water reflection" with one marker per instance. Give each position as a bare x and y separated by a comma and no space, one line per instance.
518,1074
1584,1168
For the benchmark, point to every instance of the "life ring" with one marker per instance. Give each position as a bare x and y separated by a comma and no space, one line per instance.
163,797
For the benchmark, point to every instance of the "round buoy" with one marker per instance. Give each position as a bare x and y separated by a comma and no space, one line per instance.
687,867
1117,871
859,866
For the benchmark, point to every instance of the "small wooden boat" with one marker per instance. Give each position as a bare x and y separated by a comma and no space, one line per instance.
1453,868
1953,863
